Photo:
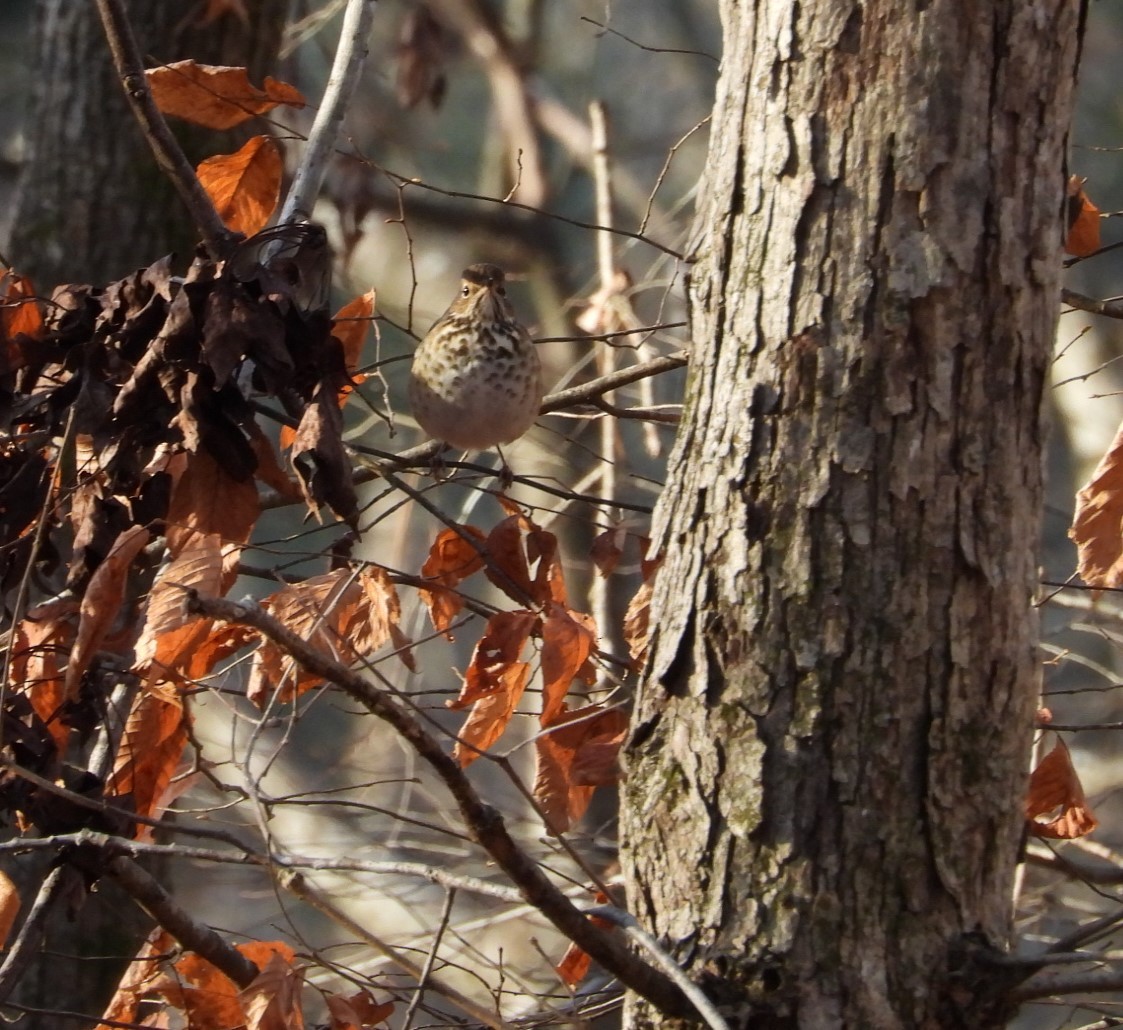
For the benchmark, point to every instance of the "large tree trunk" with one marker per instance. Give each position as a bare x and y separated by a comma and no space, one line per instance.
824,801
92,205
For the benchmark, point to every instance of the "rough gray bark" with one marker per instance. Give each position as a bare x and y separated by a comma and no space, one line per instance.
824,799
91,204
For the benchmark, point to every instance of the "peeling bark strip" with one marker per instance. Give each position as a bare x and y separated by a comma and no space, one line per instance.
829,751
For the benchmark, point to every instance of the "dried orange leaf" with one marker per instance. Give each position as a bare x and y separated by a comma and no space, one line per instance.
524,560
568,639
607,549
452,559
244,186
358,1012
637,618
574,966
500,647
272,1000
9,906
216,96
151,746
1097,525
170,636
101,603
350,325
490,715
208,500
1055,786
39,644
19,310
342,614
138,979
563,795
1083,220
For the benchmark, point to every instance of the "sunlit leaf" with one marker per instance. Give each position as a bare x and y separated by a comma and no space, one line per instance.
244,186
1056,806
216,96
1097,524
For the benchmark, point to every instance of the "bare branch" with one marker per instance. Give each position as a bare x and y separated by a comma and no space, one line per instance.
350,56
58,882
194,936
484,822
300,886
165,148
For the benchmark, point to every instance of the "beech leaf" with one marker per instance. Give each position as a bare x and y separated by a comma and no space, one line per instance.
216,96
244,186
1083,236
1056,806
1097,524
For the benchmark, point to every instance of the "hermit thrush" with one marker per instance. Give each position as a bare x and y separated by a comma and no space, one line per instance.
476,380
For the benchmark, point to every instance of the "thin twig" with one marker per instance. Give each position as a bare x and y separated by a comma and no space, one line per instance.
302,888
430,959
169,155
484,822
350,56
26,945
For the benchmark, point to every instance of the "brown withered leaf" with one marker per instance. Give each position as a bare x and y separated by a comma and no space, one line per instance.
607,549
244,186
170,638
319,459
1083,237
151,746
383,617
568,640
357,1012
1054,785
208,997
237,325
19,311
451,560
490,715
216,96
350,326
207,501
272,1000
138,978
1097,524
562,798
101,603
525,563
9,906
575,963
500,646
269,469
40,642
340,613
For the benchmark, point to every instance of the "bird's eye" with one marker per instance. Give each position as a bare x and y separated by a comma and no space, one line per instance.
465,290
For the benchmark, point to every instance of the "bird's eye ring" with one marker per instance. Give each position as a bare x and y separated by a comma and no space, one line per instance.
465,290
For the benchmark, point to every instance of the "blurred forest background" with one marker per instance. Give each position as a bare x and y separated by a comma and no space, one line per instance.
342,789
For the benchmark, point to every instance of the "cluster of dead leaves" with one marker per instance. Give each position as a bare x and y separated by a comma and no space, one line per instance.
209,1000
132,421
577,748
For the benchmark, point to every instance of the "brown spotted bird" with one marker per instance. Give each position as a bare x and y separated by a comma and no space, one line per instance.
476,380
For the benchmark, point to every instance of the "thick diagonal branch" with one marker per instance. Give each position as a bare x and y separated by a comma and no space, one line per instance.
483,821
